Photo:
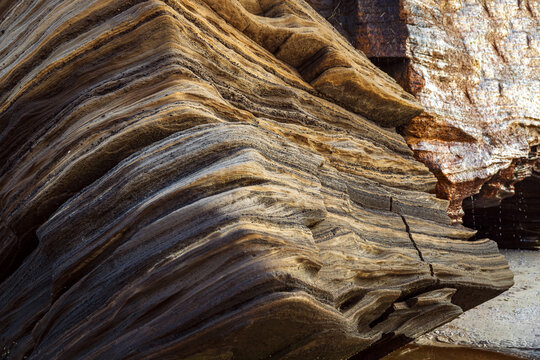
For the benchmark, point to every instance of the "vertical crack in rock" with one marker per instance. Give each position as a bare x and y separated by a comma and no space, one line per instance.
411,237
408,229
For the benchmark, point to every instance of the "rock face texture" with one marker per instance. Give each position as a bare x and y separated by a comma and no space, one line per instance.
214,179
475,67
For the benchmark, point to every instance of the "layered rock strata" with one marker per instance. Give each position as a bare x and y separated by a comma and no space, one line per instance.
475,67
214,179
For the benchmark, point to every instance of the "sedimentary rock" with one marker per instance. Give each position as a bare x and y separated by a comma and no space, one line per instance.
214,179
474,65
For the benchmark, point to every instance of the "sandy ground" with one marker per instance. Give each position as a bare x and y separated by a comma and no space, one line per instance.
511,321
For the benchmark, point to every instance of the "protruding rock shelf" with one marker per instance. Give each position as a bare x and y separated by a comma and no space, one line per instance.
214,179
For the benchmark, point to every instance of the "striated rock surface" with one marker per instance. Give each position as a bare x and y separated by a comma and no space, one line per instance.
475,67
214,179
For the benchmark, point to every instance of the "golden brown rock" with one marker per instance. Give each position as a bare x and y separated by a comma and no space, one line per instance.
214,179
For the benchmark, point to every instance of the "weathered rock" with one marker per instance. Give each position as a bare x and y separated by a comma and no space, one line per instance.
474,66
214,179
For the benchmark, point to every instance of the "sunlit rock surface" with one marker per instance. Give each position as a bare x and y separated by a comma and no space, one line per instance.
475,67
214,179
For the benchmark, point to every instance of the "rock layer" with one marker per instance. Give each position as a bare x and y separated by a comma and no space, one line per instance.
474,65
214,179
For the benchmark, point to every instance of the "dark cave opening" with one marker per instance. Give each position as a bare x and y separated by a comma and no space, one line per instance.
400,69
393,66
514,223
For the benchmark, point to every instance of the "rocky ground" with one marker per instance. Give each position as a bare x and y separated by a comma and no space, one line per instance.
509,322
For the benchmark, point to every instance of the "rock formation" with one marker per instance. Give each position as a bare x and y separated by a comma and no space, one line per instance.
475,67
214,179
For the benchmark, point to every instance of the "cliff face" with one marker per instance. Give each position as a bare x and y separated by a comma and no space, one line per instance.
214,179
483,91
475,67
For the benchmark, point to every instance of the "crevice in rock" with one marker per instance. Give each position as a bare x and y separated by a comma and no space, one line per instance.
432,272
393,66
485,7
528,7
468,96
396,67
514,223
408,229
382,317
499,53
349,303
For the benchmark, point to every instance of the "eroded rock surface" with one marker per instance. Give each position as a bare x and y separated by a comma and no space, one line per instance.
214,179
475,67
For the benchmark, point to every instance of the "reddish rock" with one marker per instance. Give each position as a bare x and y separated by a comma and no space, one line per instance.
474,67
